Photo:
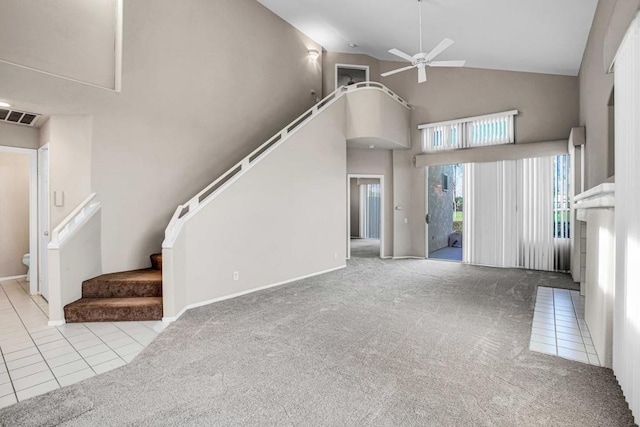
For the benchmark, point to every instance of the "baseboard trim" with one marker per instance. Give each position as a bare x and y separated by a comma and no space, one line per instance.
409,257
56,322
249,291
21,276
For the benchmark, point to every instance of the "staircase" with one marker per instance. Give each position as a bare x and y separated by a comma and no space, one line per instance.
124,296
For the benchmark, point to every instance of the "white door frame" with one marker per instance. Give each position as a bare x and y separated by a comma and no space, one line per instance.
426,212
33,210
353,67
43,218
382,210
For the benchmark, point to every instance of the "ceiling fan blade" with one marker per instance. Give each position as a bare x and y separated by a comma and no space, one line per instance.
422,75
439,49
401,54
447,63
389,73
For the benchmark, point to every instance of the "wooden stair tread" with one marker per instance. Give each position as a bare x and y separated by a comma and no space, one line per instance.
142,276
136,283
114,309
116,302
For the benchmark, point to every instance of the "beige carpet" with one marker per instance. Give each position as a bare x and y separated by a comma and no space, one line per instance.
384,343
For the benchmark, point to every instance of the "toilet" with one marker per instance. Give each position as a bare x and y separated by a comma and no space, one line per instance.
26,260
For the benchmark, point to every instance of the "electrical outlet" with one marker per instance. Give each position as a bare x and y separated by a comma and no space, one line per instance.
236,275
406,220
335,255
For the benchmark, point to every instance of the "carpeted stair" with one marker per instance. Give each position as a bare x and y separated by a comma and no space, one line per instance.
128,295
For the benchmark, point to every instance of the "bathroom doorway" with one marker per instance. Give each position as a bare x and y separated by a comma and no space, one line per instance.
19,214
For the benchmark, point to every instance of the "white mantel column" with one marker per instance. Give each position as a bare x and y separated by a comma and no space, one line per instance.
596,207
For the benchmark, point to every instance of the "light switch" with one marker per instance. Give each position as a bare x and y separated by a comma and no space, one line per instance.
58,199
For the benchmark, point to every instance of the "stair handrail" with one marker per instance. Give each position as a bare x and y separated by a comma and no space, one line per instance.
73,221
216,187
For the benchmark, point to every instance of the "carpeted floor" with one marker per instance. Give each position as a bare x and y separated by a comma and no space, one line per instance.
406,342
365,248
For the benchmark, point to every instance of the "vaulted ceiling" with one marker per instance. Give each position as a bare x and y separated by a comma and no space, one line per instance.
544,36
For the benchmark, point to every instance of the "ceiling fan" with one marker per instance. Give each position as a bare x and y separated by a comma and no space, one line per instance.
423,60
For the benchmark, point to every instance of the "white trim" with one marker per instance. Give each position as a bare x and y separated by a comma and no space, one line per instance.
408,257
382,211
56,322
58,76
426,211
352,67
57,243
605,189
469,119
118,46
239,294
43,218
19,276
33,211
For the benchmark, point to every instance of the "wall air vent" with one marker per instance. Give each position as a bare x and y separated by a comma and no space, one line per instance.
18,117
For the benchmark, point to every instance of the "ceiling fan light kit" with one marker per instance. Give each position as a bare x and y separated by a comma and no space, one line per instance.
422,60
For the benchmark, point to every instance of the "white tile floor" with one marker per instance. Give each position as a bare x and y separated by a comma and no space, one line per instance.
559,327
37,358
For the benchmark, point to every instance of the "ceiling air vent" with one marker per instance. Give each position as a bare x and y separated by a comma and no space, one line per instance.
18,117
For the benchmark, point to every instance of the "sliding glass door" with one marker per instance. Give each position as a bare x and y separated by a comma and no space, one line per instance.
444,231
516,213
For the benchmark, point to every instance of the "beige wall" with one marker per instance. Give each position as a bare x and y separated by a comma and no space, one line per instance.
191,106
74,38
547,104
376,162
610,23
18,136
14,213
376,120
274,228
69,139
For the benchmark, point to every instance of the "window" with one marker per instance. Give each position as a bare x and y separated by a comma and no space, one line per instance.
480,131
561,198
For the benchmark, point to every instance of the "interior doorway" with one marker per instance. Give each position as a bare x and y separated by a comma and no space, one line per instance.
351,74
444,200
365,216
31,256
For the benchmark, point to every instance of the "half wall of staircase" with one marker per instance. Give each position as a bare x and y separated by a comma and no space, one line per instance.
280,214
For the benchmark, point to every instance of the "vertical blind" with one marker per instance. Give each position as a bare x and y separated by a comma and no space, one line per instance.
370,208
516,213
489,213
626,320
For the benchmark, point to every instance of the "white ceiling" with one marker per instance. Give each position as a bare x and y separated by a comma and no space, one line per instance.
544,36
